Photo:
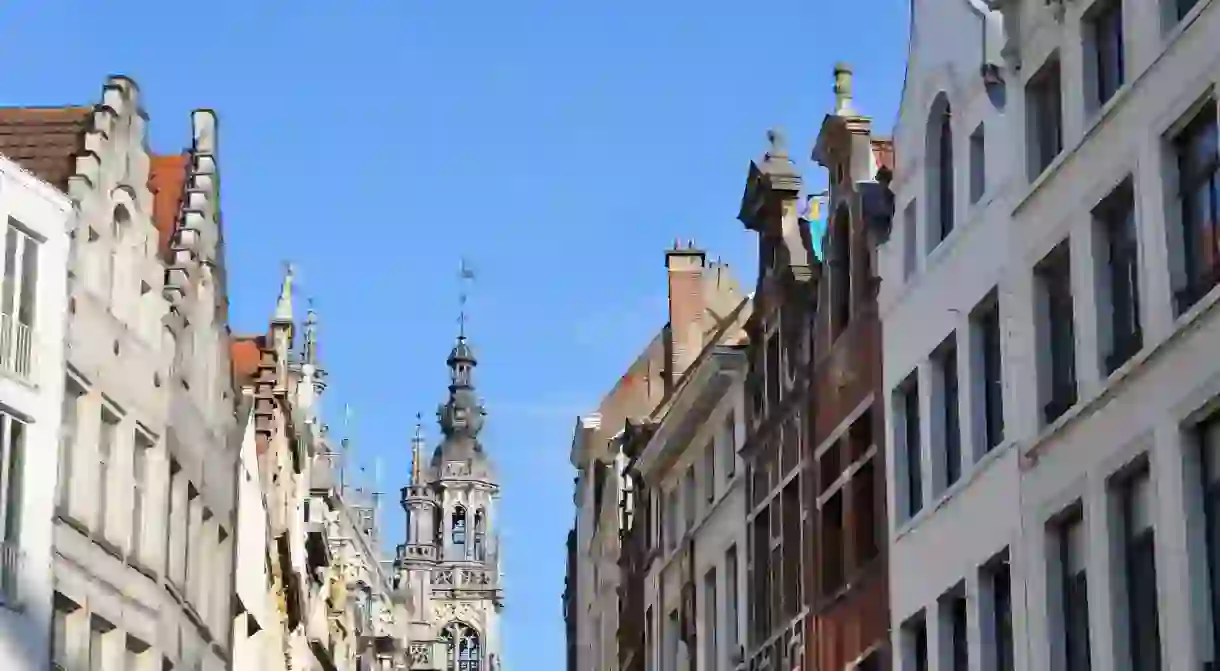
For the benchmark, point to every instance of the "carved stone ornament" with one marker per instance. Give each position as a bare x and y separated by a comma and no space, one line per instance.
419,655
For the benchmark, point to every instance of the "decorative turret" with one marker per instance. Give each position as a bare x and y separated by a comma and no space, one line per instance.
420,504
282,327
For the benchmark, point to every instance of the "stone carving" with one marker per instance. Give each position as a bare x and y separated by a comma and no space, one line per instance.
419,656
456,469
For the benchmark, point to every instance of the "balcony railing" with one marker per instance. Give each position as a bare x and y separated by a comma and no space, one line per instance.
11,561
16,347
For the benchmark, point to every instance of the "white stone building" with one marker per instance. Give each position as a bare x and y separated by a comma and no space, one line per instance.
1048,306
36,220
144,503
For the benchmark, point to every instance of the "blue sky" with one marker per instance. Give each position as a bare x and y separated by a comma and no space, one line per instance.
560,146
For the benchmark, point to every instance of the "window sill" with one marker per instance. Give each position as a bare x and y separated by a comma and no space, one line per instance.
1184,324
1184,24
942,499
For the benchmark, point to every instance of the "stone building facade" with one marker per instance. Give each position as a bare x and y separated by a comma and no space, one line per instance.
142,537
701,296
37,219
848,578
311,589
1058,200
448,567
777,414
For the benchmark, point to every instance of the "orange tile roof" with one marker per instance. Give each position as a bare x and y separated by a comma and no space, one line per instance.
166,181
244,351
44,140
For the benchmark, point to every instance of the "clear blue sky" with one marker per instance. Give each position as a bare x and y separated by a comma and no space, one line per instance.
559,145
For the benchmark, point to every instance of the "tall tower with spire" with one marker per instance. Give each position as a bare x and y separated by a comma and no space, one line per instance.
449,564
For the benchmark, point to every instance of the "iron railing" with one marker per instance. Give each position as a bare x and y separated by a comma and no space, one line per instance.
16,347
11,561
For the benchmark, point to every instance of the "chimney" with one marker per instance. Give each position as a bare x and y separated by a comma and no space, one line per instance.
687,307
843,102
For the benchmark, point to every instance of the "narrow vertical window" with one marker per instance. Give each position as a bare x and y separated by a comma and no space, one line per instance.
69,421
710,650
1074,595
908,398
18,299
1115,223
945,173
458,532
978,164
12,471
910,242
1044,117
864,494
106,439
1139,566
997,580
732,639
1198,152
1104,29
98,635
1209,445
709,472
729,441
139,491
1054,276
955,647
989,382
915,643
690,498
946,366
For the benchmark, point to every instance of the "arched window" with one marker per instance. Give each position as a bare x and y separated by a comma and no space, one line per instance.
480,523
463,651
459,532
940,172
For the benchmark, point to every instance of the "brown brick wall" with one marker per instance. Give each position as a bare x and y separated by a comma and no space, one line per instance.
847,628
857,351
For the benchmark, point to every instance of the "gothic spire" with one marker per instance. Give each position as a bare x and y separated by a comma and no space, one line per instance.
310,353
283,306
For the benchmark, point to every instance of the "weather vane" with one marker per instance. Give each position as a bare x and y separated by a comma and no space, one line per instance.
466,277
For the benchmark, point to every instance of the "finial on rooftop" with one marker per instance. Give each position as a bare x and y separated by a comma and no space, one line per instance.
283,306
311,336
417,451
777,144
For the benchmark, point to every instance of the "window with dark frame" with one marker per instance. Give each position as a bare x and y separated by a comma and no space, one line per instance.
1115,217
909,397
951,440
953,611
978,163
1208,437
916,630
1134,492
1198,155
1104,26
944,173
1054,274
986,322
998,574
1044,116
1074,593
831,536
840,273
864,505
1183,7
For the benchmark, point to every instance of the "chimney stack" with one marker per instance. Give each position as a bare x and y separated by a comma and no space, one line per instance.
687,307
843,102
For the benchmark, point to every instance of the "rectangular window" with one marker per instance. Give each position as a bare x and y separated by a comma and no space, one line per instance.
773,371
1044,117
709,472
978,164
729,441
194,532
831,538
760,583
946,200
1198,153
18,303
945,360
908,397
12,472
107,436
710,650
98,633
139,491
1104,29
989,385
1054,278
690,498
1181,8
1115,221
791,540
953,629
1135,501
1073,575
864,504
671,641
1209,444
61,619
649,653
69,423
731,637
915,643
909,241
175,530
997,580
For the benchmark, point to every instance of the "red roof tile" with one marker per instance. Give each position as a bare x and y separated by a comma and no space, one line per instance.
44,140
244,352
166,181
